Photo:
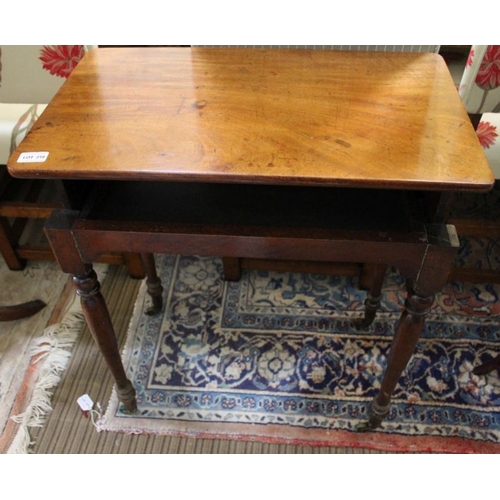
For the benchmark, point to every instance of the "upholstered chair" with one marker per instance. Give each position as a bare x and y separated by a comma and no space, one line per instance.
477,215
480,92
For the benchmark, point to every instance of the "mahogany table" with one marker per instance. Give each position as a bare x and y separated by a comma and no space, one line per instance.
257,153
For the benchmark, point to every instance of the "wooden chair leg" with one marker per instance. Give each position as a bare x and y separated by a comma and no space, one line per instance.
489,366
135,265
153,284
231,268
20,311
7,244
374,295
366,276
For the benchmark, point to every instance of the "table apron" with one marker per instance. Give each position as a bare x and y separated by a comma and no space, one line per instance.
404,255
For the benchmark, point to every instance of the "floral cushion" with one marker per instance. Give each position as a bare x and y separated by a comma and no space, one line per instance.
30,75
480,84
488,131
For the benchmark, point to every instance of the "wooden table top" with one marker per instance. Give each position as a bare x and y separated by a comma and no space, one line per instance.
274,116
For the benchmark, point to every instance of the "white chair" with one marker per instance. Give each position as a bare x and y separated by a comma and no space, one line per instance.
473,215
480,93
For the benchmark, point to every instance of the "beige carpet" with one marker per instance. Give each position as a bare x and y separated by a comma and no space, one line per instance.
34,351
25,385
68,431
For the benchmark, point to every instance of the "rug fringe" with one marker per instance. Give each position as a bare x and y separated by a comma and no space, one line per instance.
52,350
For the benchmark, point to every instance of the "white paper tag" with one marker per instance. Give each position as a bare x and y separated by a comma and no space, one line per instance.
35,157
86,404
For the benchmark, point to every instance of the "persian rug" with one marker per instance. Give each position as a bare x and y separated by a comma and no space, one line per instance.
275,357
34,351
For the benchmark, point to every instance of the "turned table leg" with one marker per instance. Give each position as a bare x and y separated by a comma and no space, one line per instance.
231,268
373,296
429,278
408,331
99,322
59,231
153,284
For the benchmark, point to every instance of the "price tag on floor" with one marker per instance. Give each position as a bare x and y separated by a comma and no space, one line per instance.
85,403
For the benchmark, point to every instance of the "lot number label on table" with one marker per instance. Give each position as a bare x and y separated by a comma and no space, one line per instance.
36,157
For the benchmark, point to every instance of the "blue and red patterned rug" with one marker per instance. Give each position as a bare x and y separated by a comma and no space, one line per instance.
275,357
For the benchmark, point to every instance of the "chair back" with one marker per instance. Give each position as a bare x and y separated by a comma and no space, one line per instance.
33,73
480,84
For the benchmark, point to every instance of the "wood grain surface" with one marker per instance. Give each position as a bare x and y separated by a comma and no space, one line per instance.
274,116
